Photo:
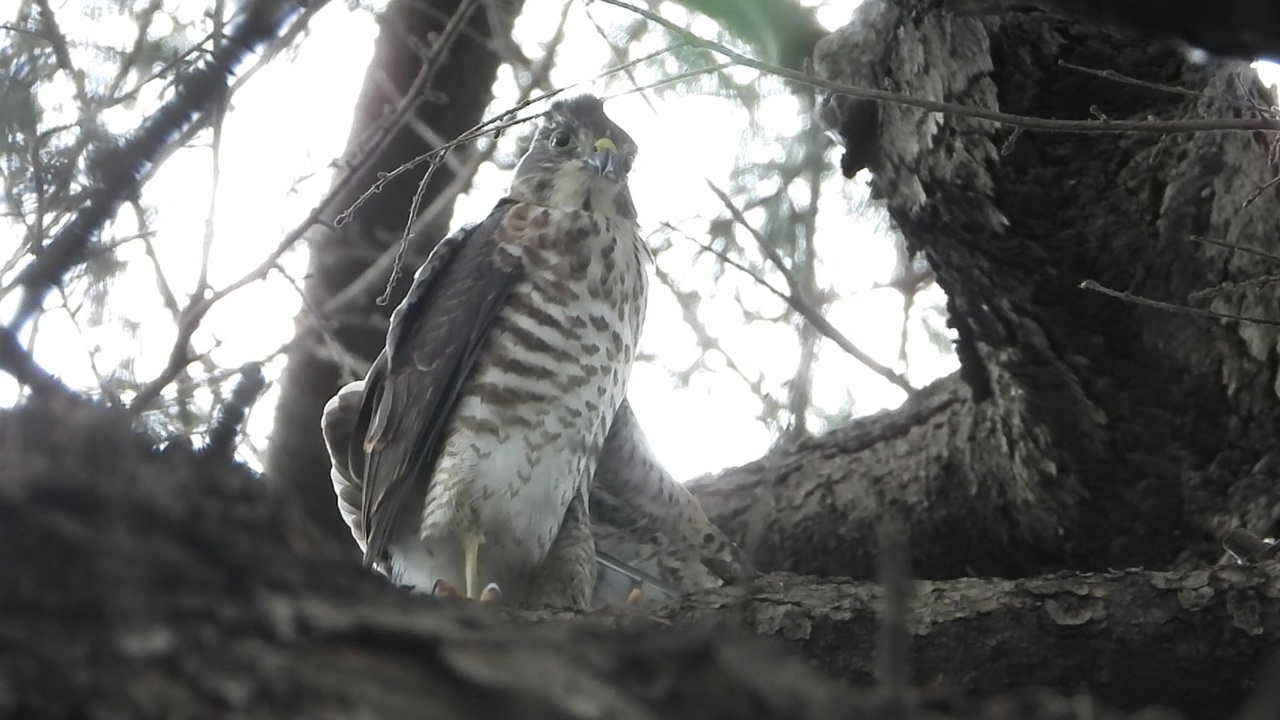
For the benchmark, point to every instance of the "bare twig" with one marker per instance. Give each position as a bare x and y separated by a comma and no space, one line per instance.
1257,193
803,306
123,168
688,308
321,322
408,103
1199,312
977,113
432,159
163,287
1237,248
218,114
1161,87
1235,285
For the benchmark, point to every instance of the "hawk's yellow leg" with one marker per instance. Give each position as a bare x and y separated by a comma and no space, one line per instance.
471,560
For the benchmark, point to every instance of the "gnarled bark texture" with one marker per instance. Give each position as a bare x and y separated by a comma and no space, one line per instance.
148,584
1083,432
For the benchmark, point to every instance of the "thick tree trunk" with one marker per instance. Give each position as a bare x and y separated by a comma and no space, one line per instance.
450,103
1083,432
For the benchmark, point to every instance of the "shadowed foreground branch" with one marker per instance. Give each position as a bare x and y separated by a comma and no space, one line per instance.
158,584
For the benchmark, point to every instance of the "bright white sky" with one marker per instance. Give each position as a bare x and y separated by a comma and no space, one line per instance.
292,118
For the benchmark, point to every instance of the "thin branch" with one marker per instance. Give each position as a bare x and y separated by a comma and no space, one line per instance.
1161,87
1199,312
387,129
167,295
977,113
1257,193
464,173
121,168
669,79
1238,248
494,125
1232,285
709,343
802,306
218,114
321,323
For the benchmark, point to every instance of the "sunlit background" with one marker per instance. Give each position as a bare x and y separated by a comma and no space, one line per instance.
721,354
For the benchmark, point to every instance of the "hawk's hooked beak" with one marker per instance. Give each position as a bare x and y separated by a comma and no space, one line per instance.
602,158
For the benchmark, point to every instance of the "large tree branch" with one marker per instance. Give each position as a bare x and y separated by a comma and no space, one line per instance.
171,584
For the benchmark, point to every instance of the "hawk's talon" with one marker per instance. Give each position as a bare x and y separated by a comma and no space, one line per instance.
491,593
444,588
633,597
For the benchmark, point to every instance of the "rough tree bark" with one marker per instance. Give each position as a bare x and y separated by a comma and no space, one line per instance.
146,584
1084,433
457,90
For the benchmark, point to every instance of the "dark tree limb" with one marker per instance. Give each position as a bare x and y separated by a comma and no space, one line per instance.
159,584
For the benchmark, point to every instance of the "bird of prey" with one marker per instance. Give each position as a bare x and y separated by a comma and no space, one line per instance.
652,537
479,426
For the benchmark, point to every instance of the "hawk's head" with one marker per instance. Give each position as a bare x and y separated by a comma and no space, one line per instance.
579,159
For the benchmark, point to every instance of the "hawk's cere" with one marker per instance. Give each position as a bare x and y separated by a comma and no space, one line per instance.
467,453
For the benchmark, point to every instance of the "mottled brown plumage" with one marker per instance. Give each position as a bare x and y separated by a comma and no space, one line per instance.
481,422
650,532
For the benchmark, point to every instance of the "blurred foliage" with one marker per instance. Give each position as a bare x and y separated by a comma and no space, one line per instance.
780,31
78,75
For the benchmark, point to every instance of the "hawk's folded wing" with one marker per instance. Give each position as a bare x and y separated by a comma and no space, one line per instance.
435,336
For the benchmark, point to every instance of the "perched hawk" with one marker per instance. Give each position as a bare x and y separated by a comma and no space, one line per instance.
480,424
466,455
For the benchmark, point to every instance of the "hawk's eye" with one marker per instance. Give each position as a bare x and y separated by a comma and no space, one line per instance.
560,139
